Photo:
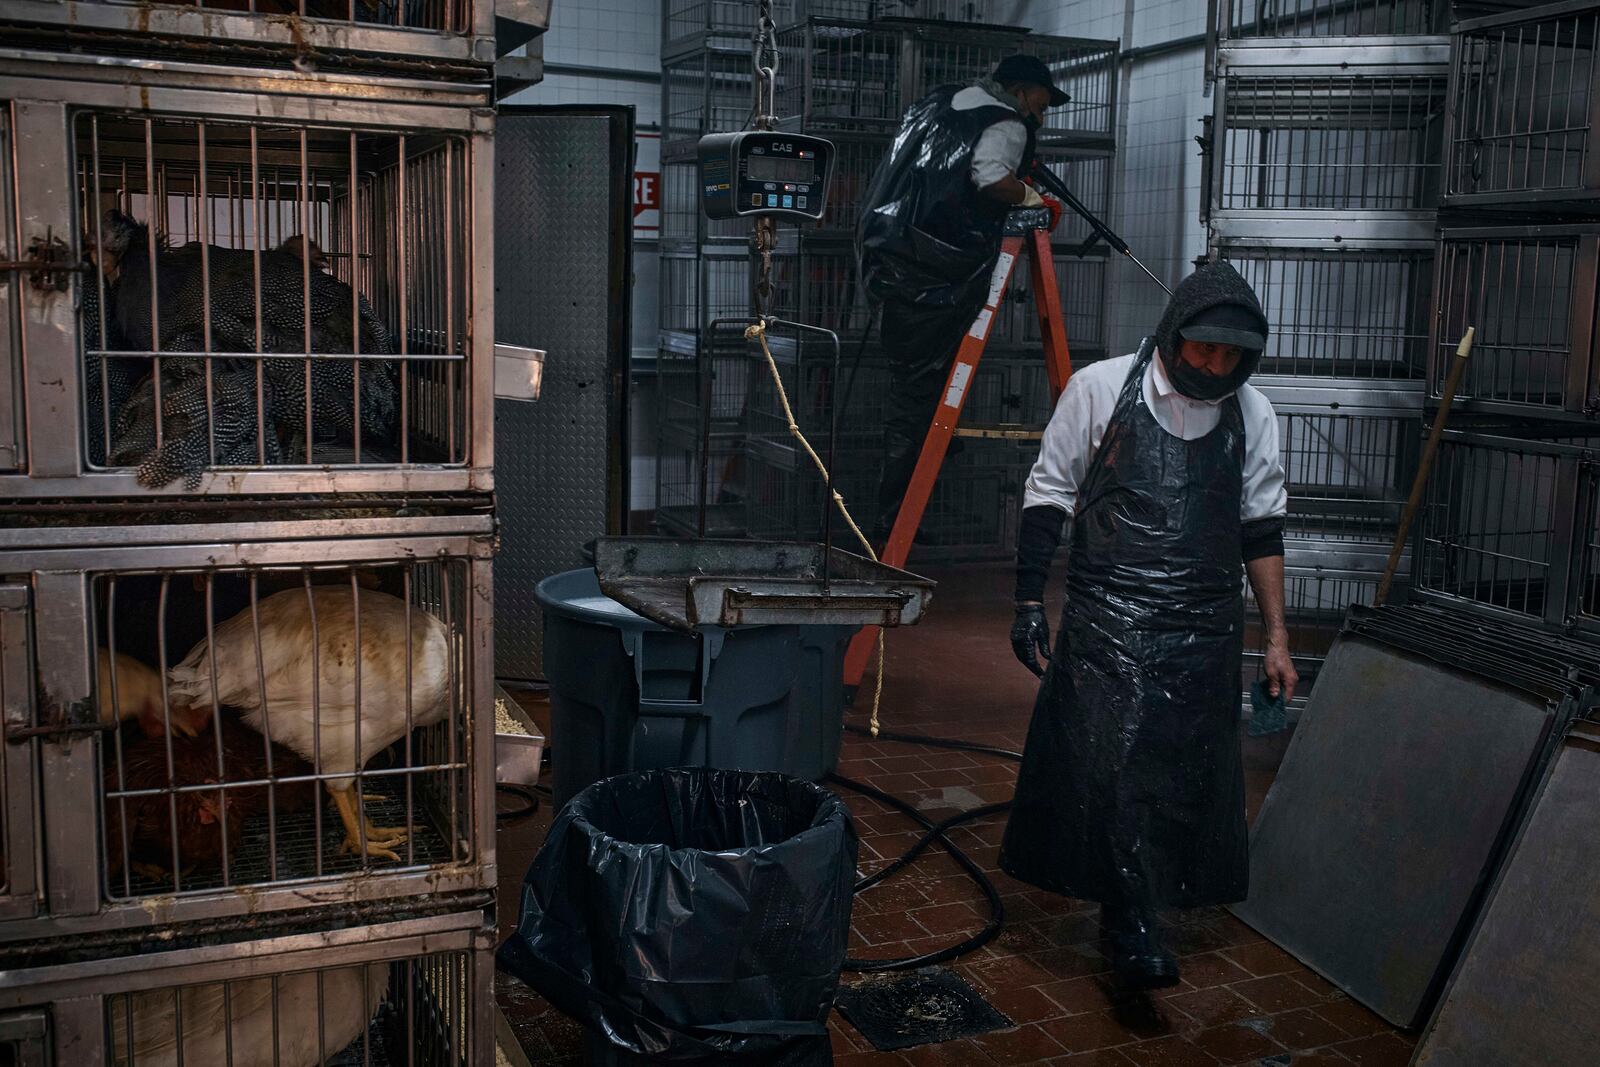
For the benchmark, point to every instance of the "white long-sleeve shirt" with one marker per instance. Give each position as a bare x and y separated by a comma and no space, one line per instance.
1084,410
999,150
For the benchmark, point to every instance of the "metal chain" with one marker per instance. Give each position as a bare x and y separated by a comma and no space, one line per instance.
766,66
765,238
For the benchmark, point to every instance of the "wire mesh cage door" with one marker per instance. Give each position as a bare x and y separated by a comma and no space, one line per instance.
1523,94
274,305
1328,144
1530,293
1498,531
1349,314
275,724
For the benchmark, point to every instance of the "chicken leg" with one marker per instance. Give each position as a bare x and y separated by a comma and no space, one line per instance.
380,840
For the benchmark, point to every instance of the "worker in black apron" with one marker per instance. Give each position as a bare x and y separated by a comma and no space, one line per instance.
1166,465
930,232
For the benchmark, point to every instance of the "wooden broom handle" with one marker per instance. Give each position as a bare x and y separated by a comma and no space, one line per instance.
1451,381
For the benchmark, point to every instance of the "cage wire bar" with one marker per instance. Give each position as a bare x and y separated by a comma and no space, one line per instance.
1330,143
1241,19
1499,531
1340,314
1523,94
173,639
244,208
1530,292
415,993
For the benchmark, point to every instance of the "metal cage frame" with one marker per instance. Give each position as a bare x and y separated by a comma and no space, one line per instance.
456,39
1511,115
1538,351
1505,528
53,705
46,94
68,1014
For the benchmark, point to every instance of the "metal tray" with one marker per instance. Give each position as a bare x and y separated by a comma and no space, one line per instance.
682,584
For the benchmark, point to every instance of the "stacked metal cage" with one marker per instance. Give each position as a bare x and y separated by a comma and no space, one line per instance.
1322,188
1510,526
246,388
848,72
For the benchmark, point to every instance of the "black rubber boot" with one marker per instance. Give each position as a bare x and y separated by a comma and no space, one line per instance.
1137,957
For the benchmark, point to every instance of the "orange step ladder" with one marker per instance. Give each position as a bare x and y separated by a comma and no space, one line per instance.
1027,232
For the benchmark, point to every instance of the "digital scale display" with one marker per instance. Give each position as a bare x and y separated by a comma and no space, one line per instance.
756,172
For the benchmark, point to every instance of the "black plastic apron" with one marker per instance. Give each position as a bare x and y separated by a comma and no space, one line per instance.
1132,788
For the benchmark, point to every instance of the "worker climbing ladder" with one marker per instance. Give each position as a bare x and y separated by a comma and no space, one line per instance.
1027,233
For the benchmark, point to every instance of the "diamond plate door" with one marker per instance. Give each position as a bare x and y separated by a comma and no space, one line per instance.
563,233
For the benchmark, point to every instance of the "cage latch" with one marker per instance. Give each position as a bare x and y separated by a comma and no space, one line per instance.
49,262
74,717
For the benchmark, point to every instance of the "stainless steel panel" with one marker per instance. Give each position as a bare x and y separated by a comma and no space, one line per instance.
1523,993
18,760
561,256
1370,851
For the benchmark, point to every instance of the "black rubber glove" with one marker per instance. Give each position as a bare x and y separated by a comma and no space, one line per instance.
1030,637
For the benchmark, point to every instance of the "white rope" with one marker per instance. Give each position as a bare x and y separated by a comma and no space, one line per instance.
758,333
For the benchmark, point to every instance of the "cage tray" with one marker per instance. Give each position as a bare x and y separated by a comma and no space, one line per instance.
682,584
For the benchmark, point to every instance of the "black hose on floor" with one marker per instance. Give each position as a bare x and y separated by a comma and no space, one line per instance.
935,835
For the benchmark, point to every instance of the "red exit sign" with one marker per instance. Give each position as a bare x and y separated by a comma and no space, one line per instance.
646,192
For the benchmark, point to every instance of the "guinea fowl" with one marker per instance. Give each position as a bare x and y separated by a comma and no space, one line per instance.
180,279
297,1020
306,630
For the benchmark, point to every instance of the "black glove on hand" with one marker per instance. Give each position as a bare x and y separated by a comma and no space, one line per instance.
1030,637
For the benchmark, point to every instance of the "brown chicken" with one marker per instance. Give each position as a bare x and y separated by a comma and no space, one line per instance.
149,846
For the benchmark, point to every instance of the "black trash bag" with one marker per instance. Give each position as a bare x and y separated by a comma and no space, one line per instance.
925,236
693,915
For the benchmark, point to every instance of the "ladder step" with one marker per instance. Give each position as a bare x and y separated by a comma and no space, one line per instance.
1000,433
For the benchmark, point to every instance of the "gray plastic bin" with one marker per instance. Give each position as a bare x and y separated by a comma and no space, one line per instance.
627,694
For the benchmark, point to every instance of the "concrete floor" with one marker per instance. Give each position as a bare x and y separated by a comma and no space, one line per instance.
1242,1000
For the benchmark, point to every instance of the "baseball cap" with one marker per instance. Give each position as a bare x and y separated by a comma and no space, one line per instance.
1029,70
1226,324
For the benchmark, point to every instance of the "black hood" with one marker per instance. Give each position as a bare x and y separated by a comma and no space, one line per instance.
1210,286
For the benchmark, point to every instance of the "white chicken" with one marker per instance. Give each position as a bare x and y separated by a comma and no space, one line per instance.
316,715
138,696
240,1028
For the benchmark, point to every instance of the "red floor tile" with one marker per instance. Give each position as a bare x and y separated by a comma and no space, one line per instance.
1240,997
1235,1043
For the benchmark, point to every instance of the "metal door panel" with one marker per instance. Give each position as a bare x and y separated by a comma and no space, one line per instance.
19,820
563,197
1523,994
1370,851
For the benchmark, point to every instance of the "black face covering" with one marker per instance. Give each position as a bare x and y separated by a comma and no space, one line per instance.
1198,385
